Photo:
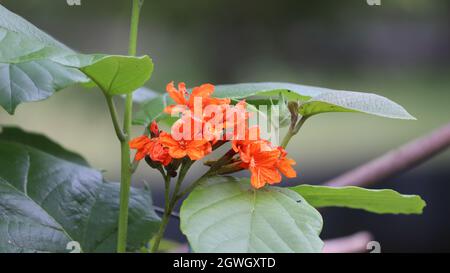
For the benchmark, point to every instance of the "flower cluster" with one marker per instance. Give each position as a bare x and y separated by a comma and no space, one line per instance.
205,123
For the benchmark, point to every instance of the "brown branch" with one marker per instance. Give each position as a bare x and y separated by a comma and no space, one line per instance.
396,161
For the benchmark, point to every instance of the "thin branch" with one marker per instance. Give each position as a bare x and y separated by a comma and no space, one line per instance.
293,130
396,161
160,210
114,117
354,243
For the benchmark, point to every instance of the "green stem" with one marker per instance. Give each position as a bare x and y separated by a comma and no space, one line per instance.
125,184
166,215
125,180
193,185
170,204
293,130
114,118
225,159
177,194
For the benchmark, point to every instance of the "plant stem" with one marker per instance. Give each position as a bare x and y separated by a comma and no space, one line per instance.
136,9
125,180
125,184
293,130
170,204
166,215
193,185
212,171
114,118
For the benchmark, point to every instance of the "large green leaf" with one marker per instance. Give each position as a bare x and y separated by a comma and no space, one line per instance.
34,81
27,72
314,100
317,100
225,215
47,201
377,201
33,65
40,142
117,75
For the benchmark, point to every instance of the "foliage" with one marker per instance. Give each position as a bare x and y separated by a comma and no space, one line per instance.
50,196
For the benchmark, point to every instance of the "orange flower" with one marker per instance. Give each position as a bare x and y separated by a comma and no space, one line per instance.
236,115
159,153
284,164
205,91
142,145
202,123
265,162
238,141
151,147
180,95
262,165
195,149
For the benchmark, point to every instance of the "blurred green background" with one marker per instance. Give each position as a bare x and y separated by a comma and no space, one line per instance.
400,49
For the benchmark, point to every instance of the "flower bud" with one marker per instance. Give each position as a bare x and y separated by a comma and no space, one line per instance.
284,112
293,109
154,130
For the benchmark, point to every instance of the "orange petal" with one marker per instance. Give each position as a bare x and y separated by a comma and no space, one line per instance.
195,154
269,158
218,101
138,142
175,109
203,91
256,181
285,166
166,140
139,155
179,96
271,175
177,152
196,143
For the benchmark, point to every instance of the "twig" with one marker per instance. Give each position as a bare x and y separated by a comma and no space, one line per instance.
396,161
161,211
354,243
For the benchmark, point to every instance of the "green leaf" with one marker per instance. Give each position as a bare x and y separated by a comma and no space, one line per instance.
377,201
317,100
47,201
117,75
33,65
224,214
25,75
152,110
40,142
34,81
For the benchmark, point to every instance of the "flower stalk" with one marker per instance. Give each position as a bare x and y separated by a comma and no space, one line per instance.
295,123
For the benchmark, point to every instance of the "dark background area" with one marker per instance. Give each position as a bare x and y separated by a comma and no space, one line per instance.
400,49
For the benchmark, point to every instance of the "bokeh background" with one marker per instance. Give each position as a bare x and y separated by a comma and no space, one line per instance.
400,49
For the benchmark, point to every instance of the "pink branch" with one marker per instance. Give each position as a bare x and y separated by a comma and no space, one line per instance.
354,243
396,161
